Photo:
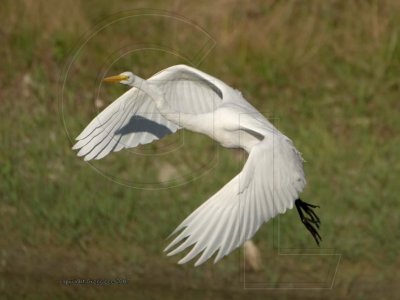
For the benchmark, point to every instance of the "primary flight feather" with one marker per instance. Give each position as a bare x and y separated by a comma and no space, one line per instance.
184,97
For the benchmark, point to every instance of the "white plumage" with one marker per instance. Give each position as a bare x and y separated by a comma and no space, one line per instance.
183,97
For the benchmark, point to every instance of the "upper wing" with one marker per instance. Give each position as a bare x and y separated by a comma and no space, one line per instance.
269,183
130,120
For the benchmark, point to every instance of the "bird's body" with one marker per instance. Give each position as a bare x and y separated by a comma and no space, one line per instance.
184,97
223,126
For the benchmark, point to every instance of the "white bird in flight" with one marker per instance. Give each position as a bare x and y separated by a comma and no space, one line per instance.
184,97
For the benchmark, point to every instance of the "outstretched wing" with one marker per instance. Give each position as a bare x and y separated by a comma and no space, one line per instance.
269,183
133,118
130,120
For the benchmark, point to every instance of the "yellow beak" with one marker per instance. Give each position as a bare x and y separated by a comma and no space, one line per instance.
116,78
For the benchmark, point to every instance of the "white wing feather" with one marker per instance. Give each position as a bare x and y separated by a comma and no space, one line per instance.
130,120
269,183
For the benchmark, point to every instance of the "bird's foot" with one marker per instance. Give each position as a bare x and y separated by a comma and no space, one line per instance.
311,220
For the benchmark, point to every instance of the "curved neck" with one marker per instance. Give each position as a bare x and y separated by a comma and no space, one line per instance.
168,112
157,96
154,93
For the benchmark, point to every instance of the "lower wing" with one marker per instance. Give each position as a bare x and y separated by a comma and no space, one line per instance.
269,183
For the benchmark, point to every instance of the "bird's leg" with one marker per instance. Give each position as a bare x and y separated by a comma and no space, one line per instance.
309,220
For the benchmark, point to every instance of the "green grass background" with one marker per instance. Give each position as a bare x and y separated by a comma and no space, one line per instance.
325,72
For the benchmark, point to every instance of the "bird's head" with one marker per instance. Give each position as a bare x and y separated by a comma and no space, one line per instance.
124,78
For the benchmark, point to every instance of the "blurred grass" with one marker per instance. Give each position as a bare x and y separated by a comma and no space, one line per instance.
326,72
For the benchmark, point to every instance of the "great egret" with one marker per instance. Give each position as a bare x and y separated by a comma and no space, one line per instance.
184,97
